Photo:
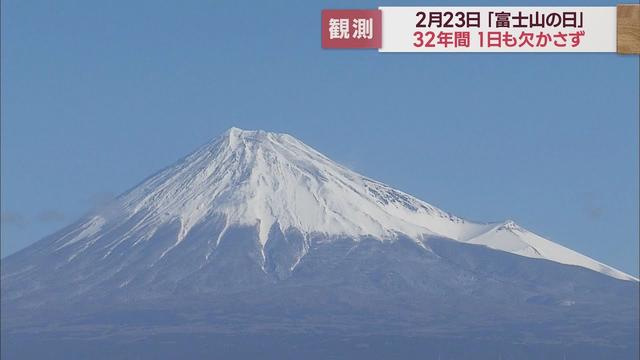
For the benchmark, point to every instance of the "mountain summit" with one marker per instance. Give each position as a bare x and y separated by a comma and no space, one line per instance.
256,232
265,180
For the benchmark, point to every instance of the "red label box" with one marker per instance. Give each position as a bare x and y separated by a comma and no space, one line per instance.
351,29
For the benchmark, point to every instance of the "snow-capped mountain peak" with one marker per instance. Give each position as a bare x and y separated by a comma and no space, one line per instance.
260,178
264,179
258,231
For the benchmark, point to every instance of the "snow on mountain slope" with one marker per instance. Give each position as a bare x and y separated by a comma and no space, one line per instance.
508,236
264,179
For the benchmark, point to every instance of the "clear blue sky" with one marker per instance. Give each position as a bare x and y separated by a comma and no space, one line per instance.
97,95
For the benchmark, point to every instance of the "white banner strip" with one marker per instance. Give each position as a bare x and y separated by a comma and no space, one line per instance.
498,29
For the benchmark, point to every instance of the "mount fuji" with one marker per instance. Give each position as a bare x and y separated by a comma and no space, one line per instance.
258,245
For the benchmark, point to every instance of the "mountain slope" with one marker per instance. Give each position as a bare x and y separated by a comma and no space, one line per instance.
256,234
257,178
